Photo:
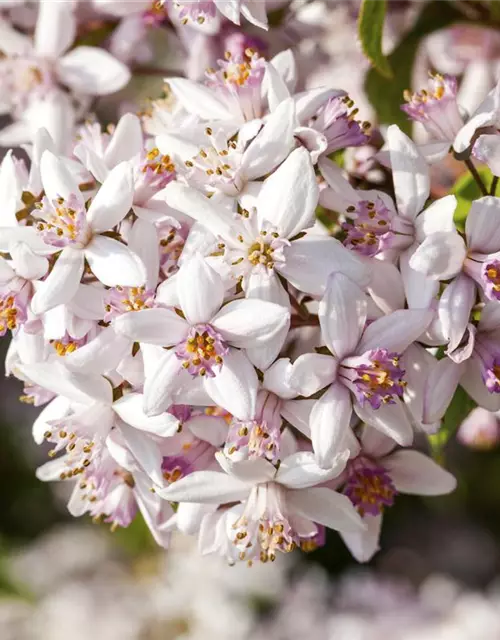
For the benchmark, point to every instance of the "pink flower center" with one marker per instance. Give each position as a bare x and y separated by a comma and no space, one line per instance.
203,351
12,313
374,377
370,231
490,275
336,120
63,223
369,487
121,300
257,439
436,107
174,468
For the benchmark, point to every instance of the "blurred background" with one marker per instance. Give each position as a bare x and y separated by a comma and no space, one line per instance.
438,574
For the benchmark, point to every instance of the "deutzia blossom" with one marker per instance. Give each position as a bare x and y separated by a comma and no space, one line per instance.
276,508
32,72
374,477
363,371
204,338
67,226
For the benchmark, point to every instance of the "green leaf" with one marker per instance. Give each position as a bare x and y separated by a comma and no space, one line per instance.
386,95
460,407
495,10
466,190
370,30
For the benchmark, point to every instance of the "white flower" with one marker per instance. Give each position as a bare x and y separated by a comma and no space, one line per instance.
66,225
205,337
278,507
363,371
32,72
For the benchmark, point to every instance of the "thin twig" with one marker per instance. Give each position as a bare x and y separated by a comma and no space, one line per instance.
469,164
311,321
494,184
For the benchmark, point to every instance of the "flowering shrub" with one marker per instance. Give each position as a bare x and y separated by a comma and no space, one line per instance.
240,307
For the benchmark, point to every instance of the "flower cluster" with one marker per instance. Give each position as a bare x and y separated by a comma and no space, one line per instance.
231,334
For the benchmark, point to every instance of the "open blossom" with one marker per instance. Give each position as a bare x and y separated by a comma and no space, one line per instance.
275,508
205,340
68,227
439,112
374,477
363,372
32,72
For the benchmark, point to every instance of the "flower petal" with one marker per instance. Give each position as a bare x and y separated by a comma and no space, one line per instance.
62,282
100,355
126,142
160,386
326,507
55,29
437,217
57,180
200,290
310,260
92,71
454,309
206,487
130,409
482,226
342,314
113,200
75,386
329,421
389,419
114,264
235,386
153,326
272,144
288,198
440,256
396,331
300,470
250,323
414,473
410,173
311,372
199,100
363,545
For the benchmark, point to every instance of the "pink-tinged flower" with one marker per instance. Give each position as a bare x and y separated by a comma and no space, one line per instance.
436,107
363,373
206,340
276,509
266,242
373,478
101,152
263,435
113,493
231,167
32,71
479,359
204,14
81,420
480,430
377,226
438,110
65,223
469,263
336,120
